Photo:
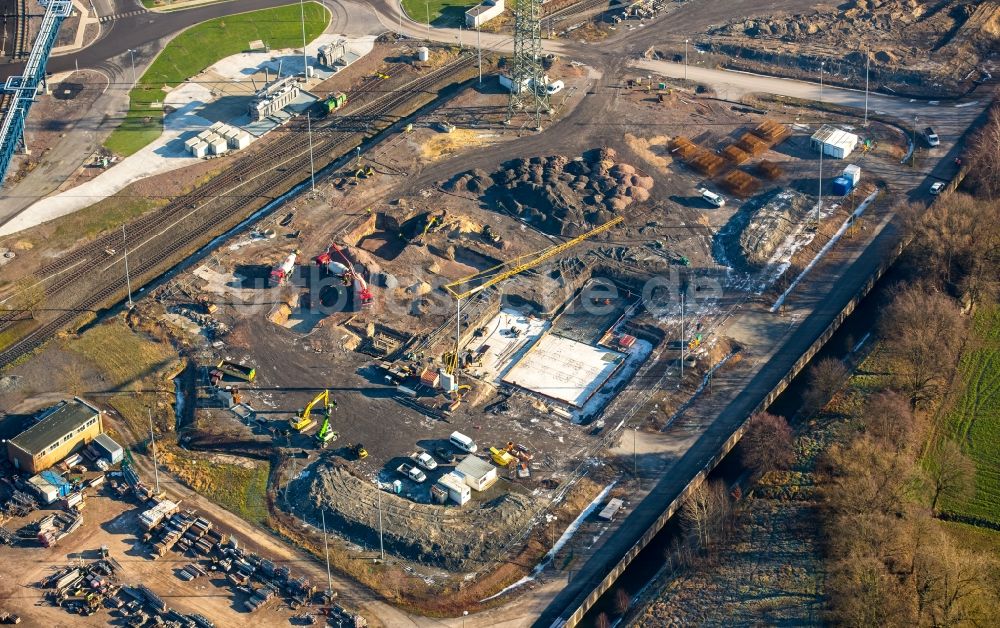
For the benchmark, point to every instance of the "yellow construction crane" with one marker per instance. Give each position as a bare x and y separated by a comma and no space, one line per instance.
473,284
304,421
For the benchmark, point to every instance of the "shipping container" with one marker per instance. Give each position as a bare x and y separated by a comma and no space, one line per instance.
842,186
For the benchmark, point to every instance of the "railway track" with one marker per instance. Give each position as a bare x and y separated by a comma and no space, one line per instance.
551,21
229,194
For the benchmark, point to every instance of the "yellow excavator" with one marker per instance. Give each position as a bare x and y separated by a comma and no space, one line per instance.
304,421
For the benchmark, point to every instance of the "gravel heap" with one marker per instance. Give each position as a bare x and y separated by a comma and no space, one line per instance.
559,195
769,225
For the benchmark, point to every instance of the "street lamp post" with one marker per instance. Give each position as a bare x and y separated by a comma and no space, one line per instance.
128,280
131,54
868,61
312,165
819,183
305,59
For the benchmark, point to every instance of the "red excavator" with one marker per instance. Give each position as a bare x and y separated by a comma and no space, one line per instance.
363,296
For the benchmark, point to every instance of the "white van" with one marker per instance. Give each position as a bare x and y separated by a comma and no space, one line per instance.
463,442
712,198
555,87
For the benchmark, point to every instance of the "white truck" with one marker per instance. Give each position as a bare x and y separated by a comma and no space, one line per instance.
412,473
424,460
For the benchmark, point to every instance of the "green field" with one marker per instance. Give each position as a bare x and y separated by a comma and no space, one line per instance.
975,420
439,12
199,47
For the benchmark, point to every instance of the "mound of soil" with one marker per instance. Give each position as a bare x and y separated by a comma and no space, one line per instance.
446,536
561,196
754,233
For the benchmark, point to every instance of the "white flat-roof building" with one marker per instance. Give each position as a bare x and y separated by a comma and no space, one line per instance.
477,473
456,487
483,12
836,143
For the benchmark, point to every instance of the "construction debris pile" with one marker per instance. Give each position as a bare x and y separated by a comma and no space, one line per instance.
769,223
88,588
908,41
438,535
561,196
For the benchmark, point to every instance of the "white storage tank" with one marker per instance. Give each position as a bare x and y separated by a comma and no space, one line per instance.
200,149
190,143
423,53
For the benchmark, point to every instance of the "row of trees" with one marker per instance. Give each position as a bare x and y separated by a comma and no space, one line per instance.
890,563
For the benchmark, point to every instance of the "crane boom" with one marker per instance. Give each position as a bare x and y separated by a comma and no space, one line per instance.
516,266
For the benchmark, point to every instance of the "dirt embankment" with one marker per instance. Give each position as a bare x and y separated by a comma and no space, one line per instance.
446,536
910,47
753,235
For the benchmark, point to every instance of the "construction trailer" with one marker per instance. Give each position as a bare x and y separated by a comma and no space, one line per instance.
109,449
483,12
58,432
455,487
477,473
834,142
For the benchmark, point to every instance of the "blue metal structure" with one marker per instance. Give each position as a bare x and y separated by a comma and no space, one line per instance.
25,87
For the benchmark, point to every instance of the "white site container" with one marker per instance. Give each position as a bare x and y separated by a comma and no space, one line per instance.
853,173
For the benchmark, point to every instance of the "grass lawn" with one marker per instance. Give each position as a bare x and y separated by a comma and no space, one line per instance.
133,370
975,420
240,486
199,47
441,12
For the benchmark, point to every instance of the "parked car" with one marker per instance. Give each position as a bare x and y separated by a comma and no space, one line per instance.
931,137
412,473
424,460
445,455
712,198
936,187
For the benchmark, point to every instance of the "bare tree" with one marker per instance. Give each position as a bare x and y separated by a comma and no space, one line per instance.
767,443
707,514
950,474
864,593
923,331
622,601
956,240
602,621
825,379
952,585
985,146
888,418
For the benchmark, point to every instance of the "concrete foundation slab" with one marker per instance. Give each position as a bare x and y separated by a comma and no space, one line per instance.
565,370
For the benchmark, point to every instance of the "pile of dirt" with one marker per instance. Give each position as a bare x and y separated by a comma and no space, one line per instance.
446,536
906,41
558,195
765,223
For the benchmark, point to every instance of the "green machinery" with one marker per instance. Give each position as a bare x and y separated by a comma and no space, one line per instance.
326,434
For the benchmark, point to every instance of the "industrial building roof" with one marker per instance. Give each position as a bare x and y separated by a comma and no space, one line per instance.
833,136
474,467
56,422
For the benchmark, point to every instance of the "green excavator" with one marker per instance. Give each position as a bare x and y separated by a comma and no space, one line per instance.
326,434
